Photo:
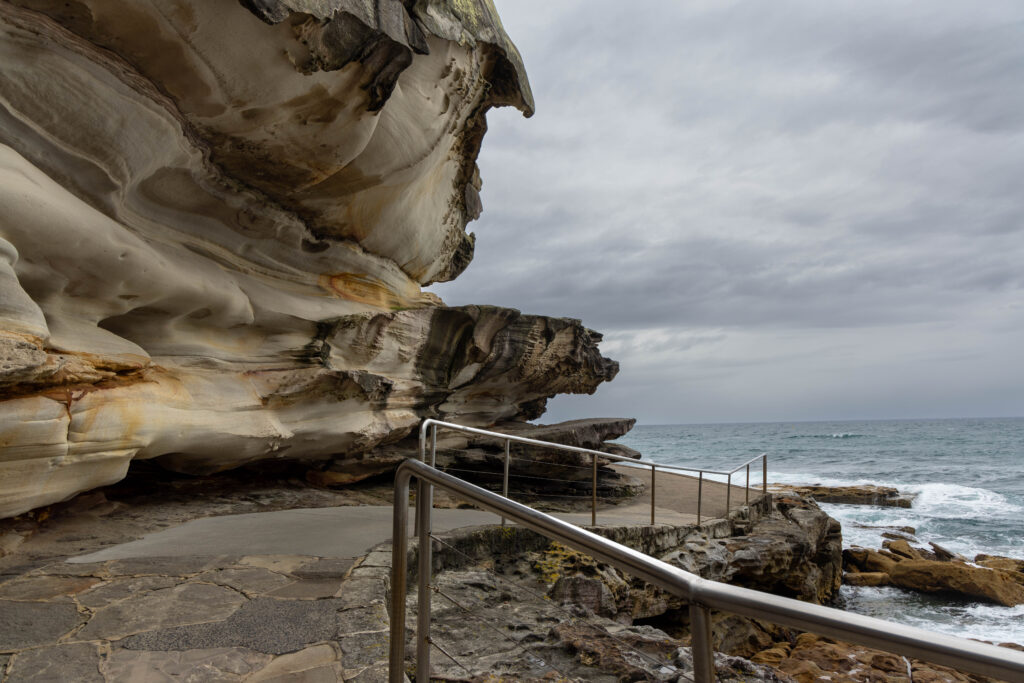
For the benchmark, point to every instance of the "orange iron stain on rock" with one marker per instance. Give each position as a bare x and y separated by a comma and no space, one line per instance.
364,289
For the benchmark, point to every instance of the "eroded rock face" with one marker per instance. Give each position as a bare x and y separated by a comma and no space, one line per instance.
900,564
216,221
796,552
882,496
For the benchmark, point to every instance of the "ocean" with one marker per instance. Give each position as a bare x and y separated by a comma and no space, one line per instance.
968,475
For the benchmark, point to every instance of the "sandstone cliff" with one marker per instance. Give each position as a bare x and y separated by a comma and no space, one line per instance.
217,217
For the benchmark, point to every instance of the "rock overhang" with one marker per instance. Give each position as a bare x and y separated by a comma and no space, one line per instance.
218,217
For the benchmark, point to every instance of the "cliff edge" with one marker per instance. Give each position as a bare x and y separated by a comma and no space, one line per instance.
217,220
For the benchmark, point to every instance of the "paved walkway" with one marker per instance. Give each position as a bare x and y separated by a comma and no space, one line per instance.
350,531
294,595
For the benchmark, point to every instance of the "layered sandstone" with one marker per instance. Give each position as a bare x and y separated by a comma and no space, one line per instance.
902,565
216,221
881,496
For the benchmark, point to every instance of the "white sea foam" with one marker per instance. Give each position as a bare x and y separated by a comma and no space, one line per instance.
931,499
935,508
993,623
955,501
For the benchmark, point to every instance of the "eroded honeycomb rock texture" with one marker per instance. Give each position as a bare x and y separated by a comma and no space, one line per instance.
216,218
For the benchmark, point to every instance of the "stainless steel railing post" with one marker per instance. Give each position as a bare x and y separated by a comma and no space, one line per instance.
653,490
700,492
423,584
728,494
746,491
399,573
504,485
764,474
700,644
593,495
423,459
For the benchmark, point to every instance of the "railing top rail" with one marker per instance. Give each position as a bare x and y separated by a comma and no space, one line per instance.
749,462
574,449
958,653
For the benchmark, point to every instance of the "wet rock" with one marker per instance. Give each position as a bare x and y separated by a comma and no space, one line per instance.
1007,564
867,560
866,579
902,548
934,577
940,553
883,496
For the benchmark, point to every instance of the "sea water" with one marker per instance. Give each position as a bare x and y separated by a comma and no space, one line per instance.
967,474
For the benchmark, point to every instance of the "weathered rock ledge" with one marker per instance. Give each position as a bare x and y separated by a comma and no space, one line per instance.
533,470
883,496
218,217
992,579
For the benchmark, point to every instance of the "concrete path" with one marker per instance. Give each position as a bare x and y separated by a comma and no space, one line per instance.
293,595
350,531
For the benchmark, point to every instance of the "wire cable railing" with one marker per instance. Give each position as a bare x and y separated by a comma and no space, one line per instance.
702,595
429,429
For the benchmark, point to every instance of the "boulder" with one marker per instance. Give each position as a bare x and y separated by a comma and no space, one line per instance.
797,552
866,560
940,553
930,576
866,579
884,496
813,658
903,549
1006,564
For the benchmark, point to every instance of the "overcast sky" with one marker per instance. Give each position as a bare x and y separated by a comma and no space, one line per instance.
772,210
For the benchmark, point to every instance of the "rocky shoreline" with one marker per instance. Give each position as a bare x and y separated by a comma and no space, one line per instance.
590,622
554,609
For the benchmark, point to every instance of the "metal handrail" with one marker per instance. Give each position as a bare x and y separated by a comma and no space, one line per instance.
430,426
702,594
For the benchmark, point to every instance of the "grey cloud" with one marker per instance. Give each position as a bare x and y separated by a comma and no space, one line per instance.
726,171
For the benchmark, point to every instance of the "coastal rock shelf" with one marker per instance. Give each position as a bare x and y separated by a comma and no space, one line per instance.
881,496
217,220
997,580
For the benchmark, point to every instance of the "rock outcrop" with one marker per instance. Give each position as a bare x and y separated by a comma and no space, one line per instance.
217,217
811,658
482,459
795,552
916,569
882,496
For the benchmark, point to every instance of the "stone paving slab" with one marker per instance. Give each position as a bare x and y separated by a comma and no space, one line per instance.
223,618
295,595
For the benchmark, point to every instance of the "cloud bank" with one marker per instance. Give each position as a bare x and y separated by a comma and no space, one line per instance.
774,211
